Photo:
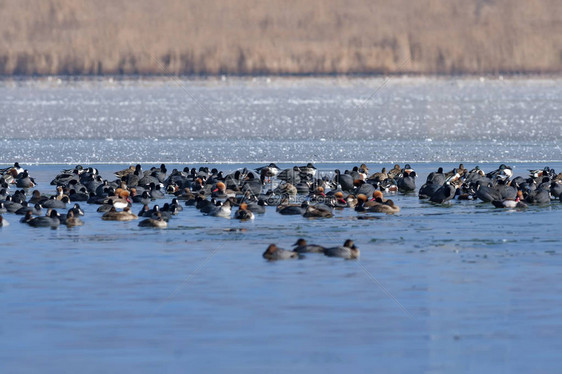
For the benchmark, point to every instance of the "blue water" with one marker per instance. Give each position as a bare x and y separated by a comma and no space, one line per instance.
460,288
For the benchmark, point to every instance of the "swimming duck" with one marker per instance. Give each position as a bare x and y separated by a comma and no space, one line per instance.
120,199
347,251
257,208
302,247
273,253
285,209
71,220
36,209
11,206
221,192
114,215
318,211
155,221
223,210
54,203
51,220
386,207
28,217
243,212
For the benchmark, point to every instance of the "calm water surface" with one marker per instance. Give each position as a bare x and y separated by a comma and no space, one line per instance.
464,287
457,288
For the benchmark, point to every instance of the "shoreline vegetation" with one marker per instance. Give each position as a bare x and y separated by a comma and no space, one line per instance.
283,38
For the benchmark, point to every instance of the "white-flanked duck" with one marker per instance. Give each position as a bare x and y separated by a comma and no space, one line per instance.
511,203
223,210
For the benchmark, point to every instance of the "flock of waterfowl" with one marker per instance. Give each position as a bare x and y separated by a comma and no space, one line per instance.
299,190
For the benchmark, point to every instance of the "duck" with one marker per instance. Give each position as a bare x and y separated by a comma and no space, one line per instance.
121,199
318,211
538,197
511,204
243,212
72,220
379,176
54,203
504,172
347,251
36,209
268,172
428,190
273,253
25,181
387,207
51,220
3,222
155,221
286,189
257,208
301,246
114,215
388,185
291,175
289,210
185,195
176,203
80,195
106,206
394,172
487,193
220,191
143,198
344,180
443,194
407,182
223,210
11,206
28,217
123,173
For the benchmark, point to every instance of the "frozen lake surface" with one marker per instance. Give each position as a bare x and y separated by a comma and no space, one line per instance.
457,288
276,119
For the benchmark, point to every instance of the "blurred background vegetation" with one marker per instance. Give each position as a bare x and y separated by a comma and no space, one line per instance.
280,37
